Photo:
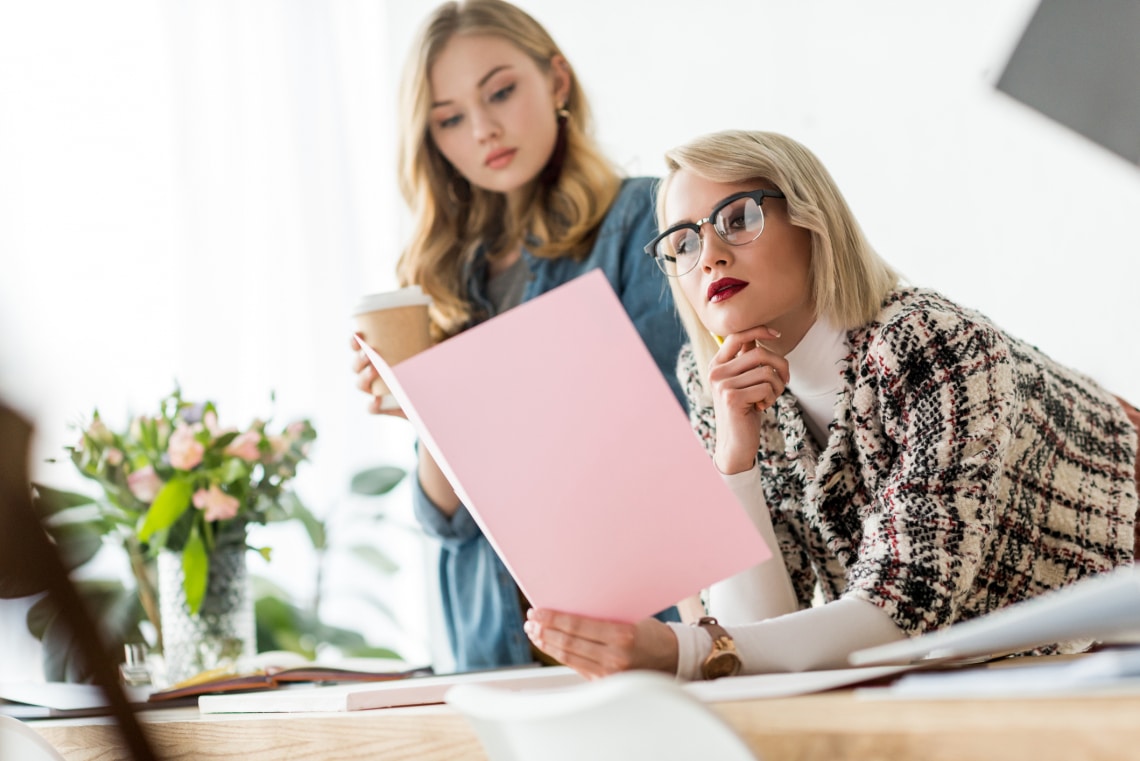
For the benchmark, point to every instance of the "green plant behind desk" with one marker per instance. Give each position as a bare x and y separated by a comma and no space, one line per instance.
283,623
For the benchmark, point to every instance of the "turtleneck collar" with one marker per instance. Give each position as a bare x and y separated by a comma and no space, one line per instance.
814,367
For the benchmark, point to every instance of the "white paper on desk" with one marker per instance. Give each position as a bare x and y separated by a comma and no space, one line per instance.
1101,607
63,696
1107,672
560,435
419,690
787,685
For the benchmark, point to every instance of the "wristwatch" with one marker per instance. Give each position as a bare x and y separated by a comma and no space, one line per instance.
723,660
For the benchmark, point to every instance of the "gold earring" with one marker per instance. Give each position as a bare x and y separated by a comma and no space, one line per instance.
562,112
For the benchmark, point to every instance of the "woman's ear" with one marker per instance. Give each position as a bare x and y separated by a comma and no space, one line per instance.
561,77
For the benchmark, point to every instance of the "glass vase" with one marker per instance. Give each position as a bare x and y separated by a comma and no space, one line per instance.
222,631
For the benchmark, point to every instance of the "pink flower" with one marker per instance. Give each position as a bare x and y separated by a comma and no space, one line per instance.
210,420
218,505
278,447
144,483
185,451
114,457
245,446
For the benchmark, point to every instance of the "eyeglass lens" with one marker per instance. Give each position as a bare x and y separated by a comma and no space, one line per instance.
738,222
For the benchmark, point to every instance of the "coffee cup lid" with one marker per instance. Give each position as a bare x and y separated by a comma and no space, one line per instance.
412,295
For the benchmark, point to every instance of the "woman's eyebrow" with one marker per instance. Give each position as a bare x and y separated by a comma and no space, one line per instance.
480,83
492,73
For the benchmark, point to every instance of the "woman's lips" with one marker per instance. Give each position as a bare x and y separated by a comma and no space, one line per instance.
500,158
725,288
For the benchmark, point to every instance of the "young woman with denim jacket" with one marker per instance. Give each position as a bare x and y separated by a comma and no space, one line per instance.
512,198
911,464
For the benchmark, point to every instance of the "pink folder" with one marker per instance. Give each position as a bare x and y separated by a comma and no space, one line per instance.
560,435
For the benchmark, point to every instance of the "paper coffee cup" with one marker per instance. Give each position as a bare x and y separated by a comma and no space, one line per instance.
396,325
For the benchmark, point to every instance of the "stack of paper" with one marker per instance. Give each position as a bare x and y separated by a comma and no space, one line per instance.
1111,672
1097,608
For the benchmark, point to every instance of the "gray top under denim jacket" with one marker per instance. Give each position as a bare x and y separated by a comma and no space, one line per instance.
481,605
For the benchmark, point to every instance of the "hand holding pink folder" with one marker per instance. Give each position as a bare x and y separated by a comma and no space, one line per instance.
574,458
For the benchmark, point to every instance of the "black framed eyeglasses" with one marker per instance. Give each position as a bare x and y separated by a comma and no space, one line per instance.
738,219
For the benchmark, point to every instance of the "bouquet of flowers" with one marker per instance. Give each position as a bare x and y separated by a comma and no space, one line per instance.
180,481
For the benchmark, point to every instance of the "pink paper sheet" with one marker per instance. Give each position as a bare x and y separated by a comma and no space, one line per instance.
560,435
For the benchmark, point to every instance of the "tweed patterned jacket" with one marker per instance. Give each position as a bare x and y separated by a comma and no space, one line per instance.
964,470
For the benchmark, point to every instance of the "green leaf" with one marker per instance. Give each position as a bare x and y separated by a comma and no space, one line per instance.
375,558
40,616
195,571
62,661
13,586
376,481
50,501
167,508
78,542
314,527
225,440
347,641
263,587
277,509
234,469
116,611
281,626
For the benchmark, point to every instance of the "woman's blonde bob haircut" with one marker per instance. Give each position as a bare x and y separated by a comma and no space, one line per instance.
849,280
453,217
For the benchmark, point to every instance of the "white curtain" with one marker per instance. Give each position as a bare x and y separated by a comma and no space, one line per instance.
195,192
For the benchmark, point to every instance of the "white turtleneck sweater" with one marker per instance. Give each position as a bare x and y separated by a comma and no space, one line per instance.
758,606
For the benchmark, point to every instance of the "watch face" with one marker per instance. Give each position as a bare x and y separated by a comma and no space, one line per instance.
721,664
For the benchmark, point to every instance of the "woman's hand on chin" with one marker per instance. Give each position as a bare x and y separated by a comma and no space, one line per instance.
746,378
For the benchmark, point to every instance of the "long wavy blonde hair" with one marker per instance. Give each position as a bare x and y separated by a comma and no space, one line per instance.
849,280
453,217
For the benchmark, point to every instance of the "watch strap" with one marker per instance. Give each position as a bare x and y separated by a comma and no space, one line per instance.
722,660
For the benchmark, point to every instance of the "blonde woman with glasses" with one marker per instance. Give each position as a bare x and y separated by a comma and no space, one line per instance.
512,198
913,464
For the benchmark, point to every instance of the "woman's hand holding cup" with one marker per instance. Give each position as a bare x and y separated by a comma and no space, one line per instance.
396,325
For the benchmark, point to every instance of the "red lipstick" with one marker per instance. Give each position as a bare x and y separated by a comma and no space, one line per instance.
725,288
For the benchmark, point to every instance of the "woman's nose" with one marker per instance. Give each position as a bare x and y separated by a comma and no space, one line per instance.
714,251
484,127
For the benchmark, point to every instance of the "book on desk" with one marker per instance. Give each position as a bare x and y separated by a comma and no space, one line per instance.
271,678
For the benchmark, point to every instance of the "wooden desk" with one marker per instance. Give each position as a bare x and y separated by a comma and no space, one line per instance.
834,726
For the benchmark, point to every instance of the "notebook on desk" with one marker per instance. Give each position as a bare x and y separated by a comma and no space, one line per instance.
560,435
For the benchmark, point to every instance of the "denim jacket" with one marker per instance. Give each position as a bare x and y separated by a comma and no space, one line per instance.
481,606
